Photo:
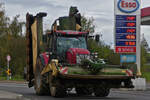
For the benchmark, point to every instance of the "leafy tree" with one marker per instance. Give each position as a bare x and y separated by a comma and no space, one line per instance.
12,42
144,48
87,24
144,42
16,27
104,51
4,21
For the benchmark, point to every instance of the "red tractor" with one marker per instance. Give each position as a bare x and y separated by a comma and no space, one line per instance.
63,62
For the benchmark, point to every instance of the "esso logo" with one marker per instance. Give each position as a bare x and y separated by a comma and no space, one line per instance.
128,6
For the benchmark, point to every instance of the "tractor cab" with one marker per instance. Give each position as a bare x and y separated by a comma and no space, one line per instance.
69,46
68,42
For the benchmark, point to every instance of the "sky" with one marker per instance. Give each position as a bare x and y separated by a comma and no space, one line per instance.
101,10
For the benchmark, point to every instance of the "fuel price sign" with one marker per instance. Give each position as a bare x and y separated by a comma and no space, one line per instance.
126,25
125,31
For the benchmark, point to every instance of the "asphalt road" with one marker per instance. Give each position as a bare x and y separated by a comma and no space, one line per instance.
115,94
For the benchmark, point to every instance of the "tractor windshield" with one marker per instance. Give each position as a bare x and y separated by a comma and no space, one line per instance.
64,43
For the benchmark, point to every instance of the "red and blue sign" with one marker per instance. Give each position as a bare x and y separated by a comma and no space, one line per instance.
128,6
126,25
125,33
125,29
126,43
126,36
127,18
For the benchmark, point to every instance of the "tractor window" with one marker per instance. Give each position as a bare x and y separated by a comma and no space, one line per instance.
64,43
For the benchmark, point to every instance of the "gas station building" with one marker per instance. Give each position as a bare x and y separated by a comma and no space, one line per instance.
145,16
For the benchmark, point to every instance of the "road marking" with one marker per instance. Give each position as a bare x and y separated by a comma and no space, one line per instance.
13,85
142,93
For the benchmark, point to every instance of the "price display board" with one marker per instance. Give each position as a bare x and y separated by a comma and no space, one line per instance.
126,25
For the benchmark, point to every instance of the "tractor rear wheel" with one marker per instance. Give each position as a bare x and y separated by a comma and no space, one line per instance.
83,91
40,86
101,91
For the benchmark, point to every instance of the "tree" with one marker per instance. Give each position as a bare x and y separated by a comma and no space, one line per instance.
144,42
87,24
104,51
16,27
3,31
4,21
144,49
12,43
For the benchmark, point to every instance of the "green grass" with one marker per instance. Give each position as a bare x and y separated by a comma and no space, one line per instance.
13,78
146,75
3,78
146,72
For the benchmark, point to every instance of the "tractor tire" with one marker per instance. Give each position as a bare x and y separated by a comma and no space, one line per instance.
83,91
56,89
40,86
101,91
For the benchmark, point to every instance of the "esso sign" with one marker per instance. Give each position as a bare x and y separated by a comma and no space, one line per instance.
128,6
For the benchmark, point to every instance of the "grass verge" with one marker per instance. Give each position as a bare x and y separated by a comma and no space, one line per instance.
13,78
146,72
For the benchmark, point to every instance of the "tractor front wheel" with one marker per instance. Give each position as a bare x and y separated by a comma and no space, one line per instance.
40,85
56,89
101,91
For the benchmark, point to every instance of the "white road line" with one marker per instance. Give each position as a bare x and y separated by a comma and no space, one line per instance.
142,93
13,85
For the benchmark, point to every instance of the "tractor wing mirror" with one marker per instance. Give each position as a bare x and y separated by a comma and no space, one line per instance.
97,38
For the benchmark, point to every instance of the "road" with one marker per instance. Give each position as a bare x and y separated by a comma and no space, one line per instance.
21,88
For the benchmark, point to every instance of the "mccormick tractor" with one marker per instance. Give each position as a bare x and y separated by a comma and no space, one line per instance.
60,61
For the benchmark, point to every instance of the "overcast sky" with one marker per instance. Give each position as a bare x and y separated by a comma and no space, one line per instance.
101,10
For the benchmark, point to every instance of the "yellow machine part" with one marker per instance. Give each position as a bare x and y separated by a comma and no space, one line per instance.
51,67
34,43
78,27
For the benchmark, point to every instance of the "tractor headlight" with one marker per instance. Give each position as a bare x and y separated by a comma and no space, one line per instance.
80,57
94,55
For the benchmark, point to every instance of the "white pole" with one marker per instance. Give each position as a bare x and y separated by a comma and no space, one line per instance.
7,70
138,43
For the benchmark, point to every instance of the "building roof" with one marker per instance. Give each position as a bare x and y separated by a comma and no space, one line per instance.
145,12
145,15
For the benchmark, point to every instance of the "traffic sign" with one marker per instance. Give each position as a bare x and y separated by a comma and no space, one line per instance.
8,58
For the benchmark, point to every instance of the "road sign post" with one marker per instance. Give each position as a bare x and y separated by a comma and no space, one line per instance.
8,69
127,29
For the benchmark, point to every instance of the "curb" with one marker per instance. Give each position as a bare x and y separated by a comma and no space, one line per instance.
13,96
21,97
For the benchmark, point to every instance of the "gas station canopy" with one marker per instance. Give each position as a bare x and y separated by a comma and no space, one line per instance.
145,16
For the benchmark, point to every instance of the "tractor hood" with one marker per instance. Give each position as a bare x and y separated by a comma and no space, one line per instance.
74,55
